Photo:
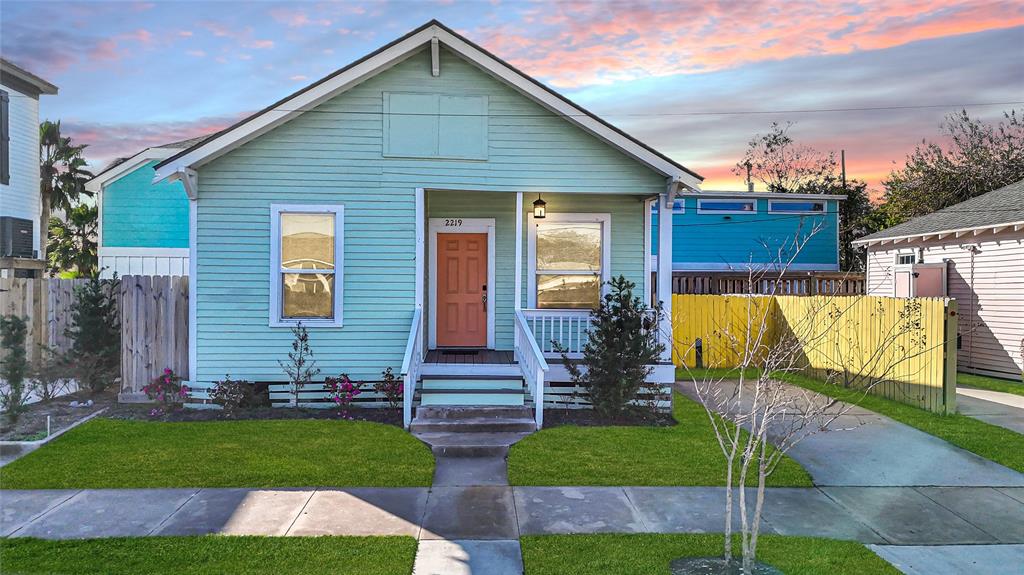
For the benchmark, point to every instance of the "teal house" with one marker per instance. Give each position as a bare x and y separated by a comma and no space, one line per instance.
143,225
752,231
429,209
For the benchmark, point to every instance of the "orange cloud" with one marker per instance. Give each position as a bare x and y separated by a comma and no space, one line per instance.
575,44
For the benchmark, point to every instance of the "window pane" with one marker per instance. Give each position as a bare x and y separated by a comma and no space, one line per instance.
307,295
569,247
307,241
798,206
727,206
568,291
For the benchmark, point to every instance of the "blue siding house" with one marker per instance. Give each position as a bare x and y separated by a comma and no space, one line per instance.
743,231
428,208
143,225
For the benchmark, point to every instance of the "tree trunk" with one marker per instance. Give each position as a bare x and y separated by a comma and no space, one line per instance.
44,224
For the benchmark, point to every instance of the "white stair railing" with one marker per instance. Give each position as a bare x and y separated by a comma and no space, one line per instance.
567,327
411,365
532,363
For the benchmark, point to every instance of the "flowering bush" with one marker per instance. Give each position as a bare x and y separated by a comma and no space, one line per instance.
343,392
231,394
391,388
166,388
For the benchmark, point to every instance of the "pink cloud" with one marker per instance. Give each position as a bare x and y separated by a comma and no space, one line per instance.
296,18
583,43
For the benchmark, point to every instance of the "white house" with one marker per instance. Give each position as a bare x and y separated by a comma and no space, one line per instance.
20,207
974,252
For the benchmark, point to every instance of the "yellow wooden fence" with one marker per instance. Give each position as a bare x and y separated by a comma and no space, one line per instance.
903,349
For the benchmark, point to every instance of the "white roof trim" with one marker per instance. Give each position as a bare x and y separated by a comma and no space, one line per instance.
769,195
110,175
402,49
956,233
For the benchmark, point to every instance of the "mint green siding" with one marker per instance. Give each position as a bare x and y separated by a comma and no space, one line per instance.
140,214
710,241
335,155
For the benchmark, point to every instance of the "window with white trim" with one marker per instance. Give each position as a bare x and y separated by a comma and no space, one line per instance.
905,259
797,206
306,264
726,206
569,263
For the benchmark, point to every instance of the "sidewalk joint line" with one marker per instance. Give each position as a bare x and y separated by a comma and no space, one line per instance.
172,513
299,514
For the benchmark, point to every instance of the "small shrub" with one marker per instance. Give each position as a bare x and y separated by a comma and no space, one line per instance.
14,367
50,374
622,344
301,367
95,333
232,394
342,392
391,387
166,388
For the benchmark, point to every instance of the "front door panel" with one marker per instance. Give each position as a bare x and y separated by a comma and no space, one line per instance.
461,290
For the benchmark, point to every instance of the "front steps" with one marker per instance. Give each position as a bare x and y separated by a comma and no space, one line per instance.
454,431
471,390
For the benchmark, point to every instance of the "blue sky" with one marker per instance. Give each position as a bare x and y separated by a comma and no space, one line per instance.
683,76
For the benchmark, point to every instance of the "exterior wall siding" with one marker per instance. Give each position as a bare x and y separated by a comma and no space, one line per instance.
138,213
333,155
987,289
20,198
711,242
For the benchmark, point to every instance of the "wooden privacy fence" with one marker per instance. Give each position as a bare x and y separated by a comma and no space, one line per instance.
154,321
764,283
902,348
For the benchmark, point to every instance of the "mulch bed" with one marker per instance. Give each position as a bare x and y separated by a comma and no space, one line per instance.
141,412
31,423
554,417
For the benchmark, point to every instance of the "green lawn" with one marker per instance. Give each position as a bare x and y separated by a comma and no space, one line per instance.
212,555
649,553
989,441
990,383
685,454
269,453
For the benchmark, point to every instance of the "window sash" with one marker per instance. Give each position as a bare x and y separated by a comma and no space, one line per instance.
279,271
717,206
792,206
601,273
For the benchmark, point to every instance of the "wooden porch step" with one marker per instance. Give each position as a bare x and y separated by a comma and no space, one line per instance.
466,383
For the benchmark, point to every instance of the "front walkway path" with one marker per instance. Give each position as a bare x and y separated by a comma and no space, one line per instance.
995,407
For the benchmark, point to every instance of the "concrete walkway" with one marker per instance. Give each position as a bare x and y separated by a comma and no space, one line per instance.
874,450
995,407
880,515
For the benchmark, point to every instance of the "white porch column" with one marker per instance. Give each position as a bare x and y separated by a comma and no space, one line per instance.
665,201
420,243
519,252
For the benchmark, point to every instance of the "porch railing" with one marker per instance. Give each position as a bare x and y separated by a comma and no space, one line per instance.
532,363
411,365
569,329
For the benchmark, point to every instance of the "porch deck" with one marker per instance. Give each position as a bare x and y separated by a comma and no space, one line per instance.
470,357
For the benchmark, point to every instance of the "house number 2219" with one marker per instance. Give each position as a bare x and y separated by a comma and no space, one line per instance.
452,223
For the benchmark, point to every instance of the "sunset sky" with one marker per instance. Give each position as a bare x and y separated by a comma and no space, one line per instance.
694,79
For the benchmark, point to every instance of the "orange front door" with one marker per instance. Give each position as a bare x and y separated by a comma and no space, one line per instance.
461,290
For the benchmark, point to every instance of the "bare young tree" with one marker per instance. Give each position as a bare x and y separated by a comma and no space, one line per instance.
758,418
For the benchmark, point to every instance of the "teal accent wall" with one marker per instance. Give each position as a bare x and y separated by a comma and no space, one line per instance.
335,156
742,238
140,214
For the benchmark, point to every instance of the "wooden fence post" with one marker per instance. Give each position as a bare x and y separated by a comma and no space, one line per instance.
949,349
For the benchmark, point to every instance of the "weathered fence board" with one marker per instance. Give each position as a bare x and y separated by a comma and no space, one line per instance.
900,347
154,329
45,306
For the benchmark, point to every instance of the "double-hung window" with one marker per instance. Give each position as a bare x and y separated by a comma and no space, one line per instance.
569,257
306,264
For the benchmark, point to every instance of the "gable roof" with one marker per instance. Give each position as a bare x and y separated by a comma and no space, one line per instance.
393,53
23,77
122,166
1002,207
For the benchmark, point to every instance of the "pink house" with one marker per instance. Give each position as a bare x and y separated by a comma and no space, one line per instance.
974,252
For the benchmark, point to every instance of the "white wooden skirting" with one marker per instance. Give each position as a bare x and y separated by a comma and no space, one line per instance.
143,261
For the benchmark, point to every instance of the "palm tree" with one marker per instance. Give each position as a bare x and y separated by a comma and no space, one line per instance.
62,173
72,242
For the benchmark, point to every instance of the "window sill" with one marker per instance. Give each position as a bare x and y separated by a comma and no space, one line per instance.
306,323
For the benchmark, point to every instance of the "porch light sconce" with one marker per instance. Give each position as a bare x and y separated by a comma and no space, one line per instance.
540,209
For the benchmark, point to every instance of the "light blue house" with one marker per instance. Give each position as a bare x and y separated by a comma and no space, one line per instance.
744,231
143,225
428,208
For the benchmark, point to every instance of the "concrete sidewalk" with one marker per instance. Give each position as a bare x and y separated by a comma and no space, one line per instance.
995,407
886,515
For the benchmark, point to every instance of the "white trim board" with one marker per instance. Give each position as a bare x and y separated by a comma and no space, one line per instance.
338,210
388,56
111,175
531,248
463,226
